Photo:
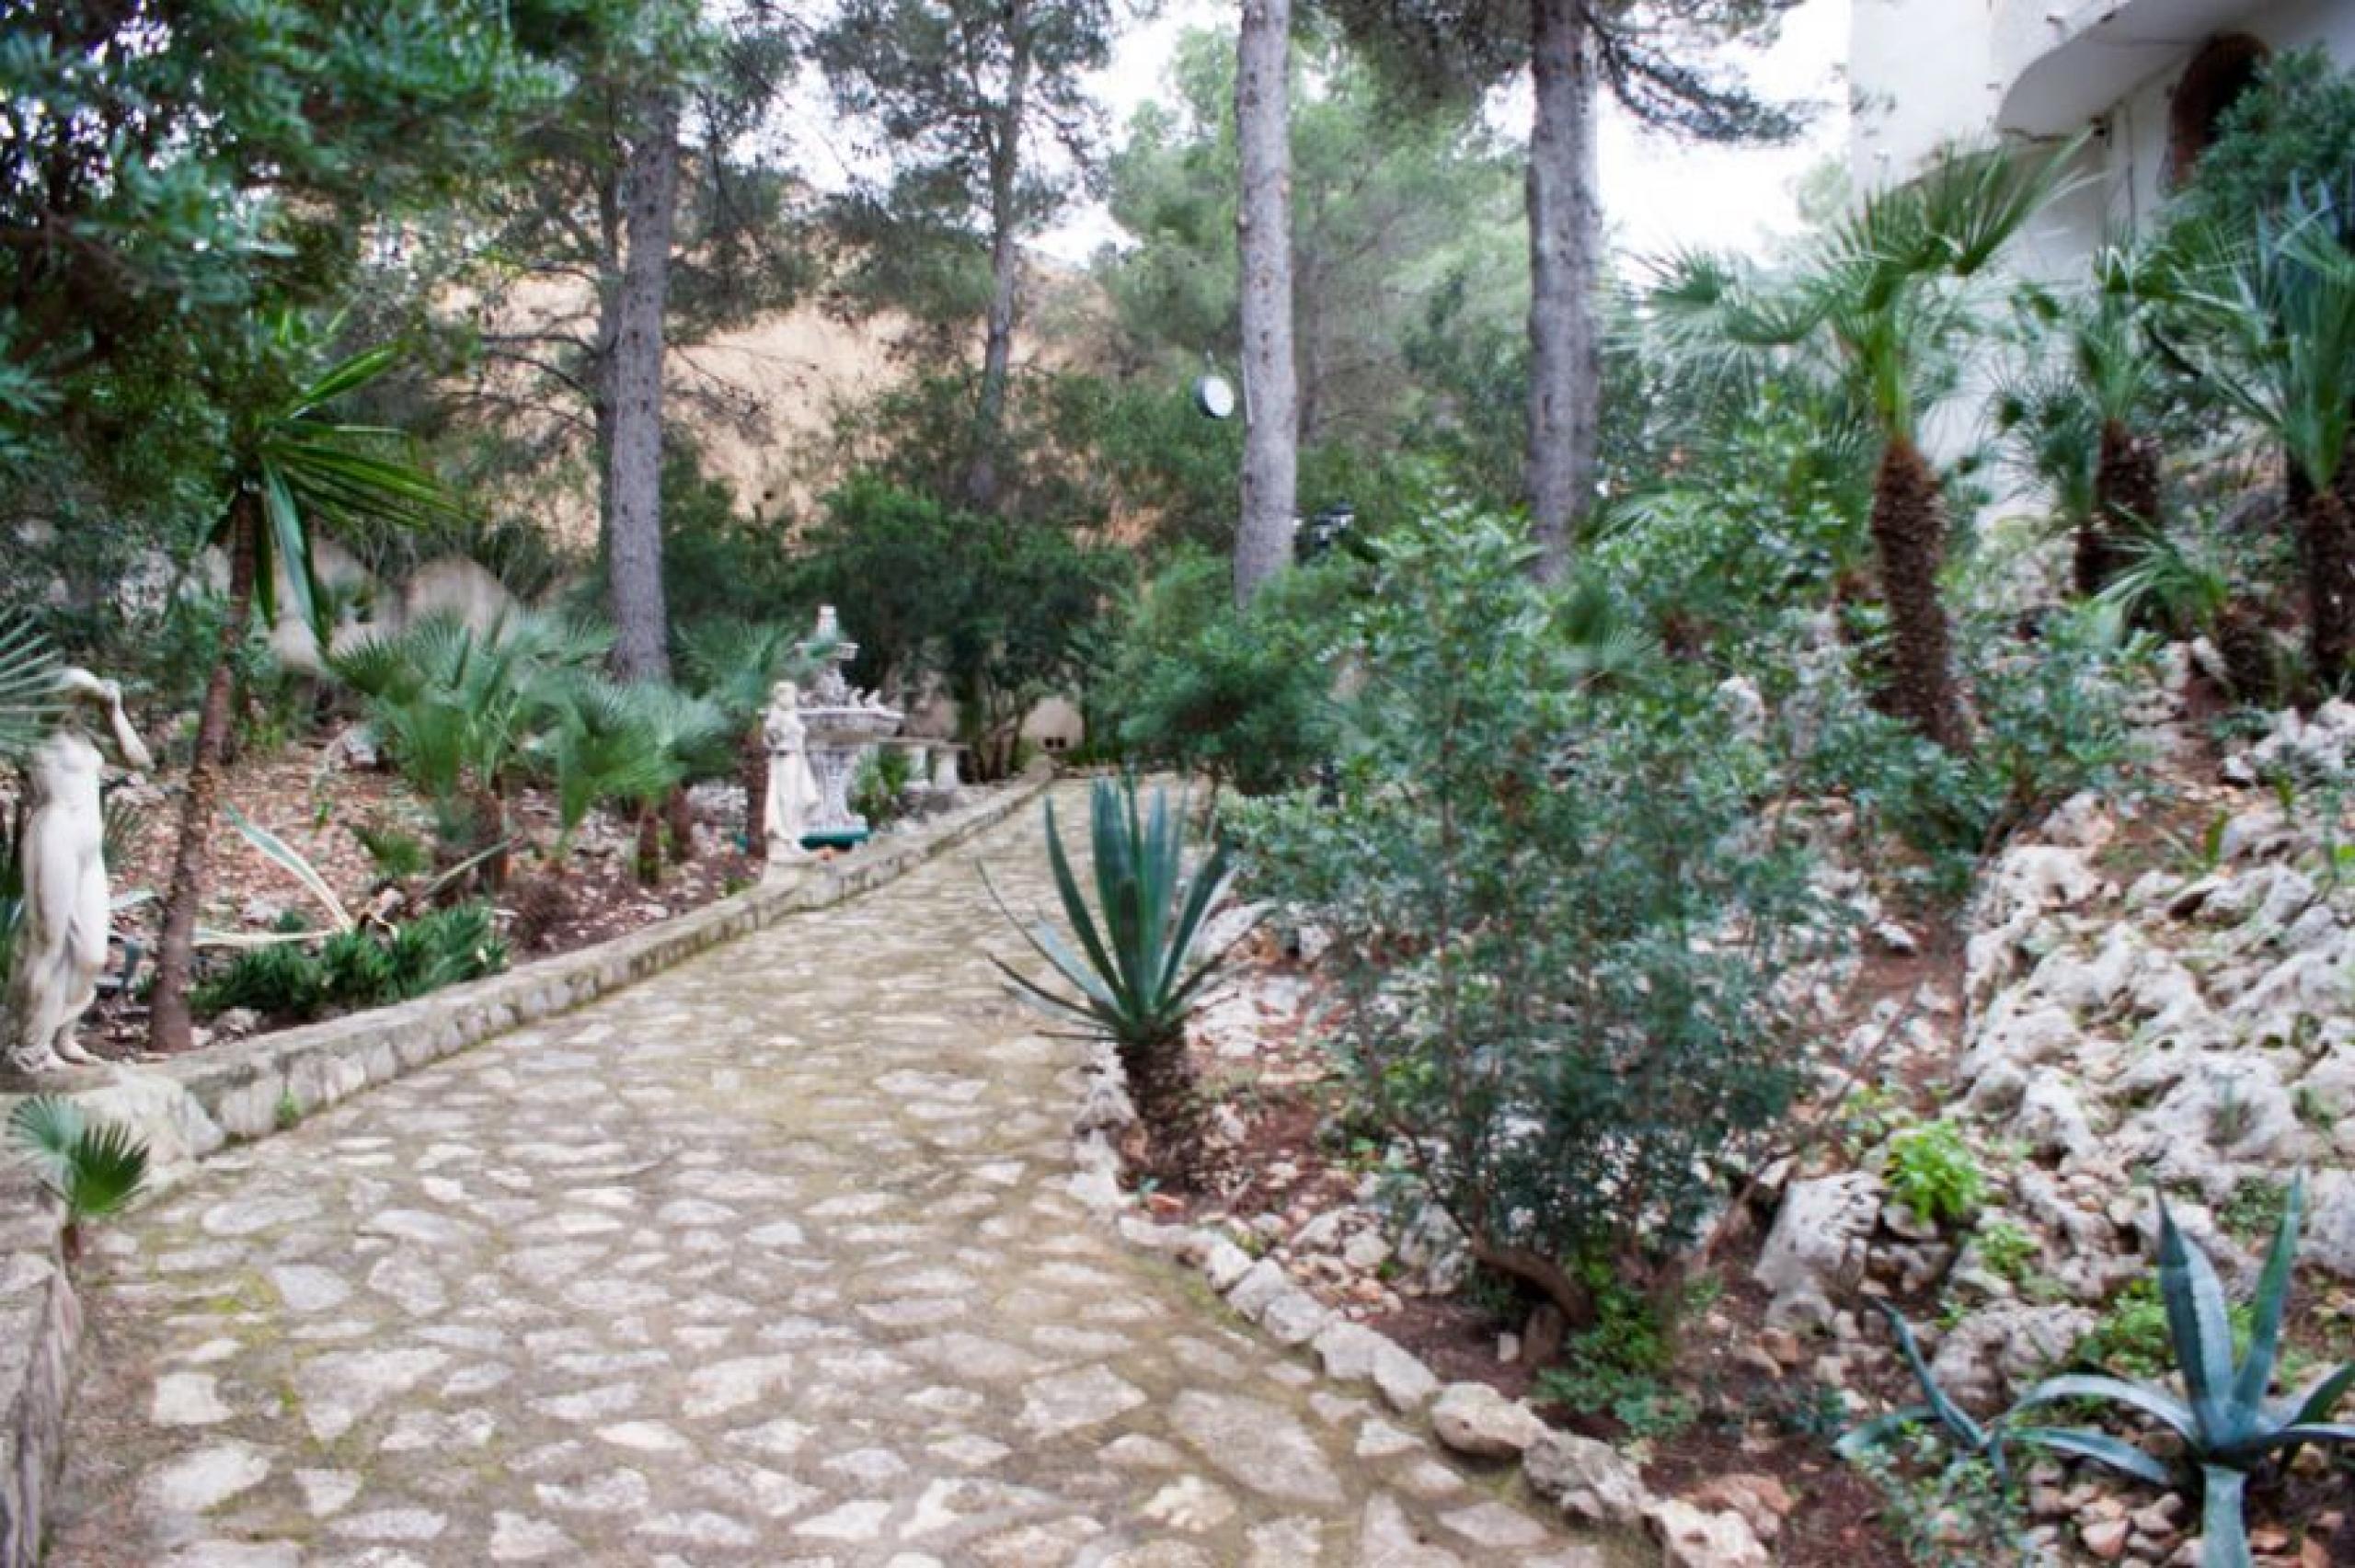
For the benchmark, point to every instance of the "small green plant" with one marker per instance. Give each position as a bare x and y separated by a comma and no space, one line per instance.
1868,1116
287,1113
2008,1252
1946,1511
2255,1209
94,1169
398,855
2231,1117
877,787
1620,1366
1139,967
1933,1173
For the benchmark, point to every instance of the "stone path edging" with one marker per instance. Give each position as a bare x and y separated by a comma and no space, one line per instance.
248,1089
1555,1468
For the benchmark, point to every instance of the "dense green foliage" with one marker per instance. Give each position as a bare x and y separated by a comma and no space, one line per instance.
1239,696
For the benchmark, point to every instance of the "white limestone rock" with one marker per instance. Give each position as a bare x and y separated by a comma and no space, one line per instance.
1473,1418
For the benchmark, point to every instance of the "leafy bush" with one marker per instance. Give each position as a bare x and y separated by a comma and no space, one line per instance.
1619,1367
1933,1173
994,605
278,981
1558,922
2052,715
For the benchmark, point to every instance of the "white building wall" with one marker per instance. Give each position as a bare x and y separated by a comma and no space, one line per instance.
1928,74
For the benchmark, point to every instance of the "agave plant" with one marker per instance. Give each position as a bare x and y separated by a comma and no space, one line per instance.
94,1169
1137,969
1969,1436
2227,1421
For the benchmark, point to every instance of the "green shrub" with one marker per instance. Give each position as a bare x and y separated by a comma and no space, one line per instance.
360,967
1557,923
1933,1173
279,982
2052,714
1242,697
1620,1367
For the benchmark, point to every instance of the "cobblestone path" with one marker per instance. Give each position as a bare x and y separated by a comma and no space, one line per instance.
765,1261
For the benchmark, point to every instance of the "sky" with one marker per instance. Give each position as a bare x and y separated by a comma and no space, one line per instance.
1658,193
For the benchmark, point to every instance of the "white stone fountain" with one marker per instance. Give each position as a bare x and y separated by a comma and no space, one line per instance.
843,724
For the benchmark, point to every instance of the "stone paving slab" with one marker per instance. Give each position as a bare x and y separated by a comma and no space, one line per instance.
768,1260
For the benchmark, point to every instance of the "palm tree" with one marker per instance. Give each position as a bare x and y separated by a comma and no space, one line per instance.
291,466
1882,304
2267,320
2081,425
462,712
93,1169
691,735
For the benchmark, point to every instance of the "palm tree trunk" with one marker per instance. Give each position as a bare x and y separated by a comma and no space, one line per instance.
633,470
1263,247
649,844
170,1026
2126,505
1169,1107
1565,228
2326,516
1909,526
680,813
753,767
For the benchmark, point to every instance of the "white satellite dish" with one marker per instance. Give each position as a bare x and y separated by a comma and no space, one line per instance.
1214,396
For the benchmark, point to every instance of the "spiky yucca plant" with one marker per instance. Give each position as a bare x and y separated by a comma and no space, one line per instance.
94,1168
1137,969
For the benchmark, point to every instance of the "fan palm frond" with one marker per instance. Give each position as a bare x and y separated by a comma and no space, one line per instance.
94,1169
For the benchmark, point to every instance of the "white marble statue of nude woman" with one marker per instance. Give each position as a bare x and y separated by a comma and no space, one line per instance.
62,935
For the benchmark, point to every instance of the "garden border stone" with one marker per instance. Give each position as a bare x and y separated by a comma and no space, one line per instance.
243,1090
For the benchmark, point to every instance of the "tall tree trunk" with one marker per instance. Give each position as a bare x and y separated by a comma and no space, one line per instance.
599,373
1263,237
1005,263
634,466
1909,526
2125,505
170,1026
2325,515
1565,232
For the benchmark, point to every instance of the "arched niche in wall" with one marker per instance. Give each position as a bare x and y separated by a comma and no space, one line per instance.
2225,67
